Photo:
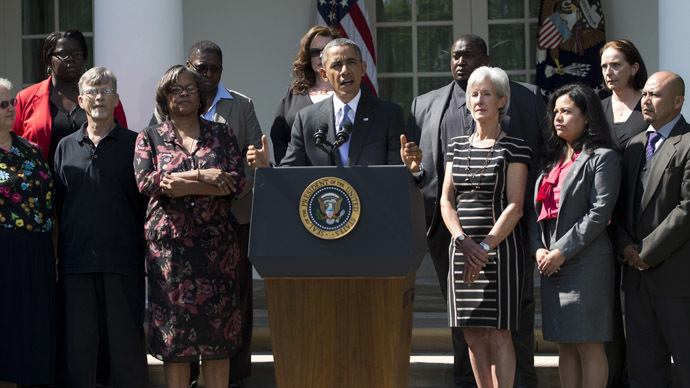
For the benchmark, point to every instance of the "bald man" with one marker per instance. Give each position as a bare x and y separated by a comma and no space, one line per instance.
653,236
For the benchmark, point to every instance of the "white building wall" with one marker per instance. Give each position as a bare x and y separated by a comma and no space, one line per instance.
674,54
637,21
138,47
259,39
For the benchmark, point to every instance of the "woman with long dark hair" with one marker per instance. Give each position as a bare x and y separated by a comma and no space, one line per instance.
574,201
307,88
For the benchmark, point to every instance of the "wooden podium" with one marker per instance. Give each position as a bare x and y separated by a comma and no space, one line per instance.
340,310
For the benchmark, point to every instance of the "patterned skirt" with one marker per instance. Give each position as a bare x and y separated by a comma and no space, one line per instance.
193,299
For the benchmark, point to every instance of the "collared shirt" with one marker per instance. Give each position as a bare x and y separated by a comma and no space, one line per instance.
101,211
457,120
337,106
222,93
664,131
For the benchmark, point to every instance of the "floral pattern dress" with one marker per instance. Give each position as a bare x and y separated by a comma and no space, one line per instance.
26,188
192,251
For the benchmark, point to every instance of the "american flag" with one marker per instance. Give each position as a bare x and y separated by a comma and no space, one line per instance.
553,32
351,20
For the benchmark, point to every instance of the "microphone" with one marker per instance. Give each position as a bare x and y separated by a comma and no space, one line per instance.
343,135
320,137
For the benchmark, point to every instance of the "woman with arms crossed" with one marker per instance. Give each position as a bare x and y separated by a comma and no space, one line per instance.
191,168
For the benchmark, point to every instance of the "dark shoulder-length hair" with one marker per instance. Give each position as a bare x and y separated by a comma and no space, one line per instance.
163,90
595,135
632,56
51,42
303,74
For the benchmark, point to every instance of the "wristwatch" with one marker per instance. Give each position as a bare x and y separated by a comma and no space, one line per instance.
485,246
460,239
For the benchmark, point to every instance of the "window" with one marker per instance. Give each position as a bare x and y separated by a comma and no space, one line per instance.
413,38
39,19
512,37
412,42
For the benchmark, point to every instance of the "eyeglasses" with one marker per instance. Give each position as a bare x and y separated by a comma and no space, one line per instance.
6,103
203,69
95,92
64,54
177,89
315,52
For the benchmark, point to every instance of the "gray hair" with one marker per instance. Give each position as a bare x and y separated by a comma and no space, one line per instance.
5,83
97,76
499,80
340,42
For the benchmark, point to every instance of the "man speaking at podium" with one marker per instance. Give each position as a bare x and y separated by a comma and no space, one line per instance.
324,134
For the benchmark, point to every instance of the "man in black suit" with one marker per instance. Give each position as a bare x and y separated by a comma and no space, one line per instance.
653,234
435,118
377,134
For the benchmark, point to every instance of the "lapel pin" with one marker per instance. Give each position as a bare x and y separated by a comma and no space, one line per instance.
365,119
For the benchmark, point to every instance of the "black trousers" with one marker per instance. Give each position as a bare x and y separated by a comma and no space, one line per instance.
116,302
657,329
615,349
241,362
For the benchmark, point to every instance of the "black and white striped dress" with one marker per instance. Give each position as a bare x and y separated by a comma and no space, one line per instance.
493,300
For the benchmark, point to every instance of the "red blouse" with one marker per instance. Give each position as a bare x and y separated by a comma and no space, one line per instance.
550,189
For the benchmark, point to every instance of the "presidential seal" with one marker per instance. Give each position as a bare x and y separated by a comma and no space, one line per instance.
329,208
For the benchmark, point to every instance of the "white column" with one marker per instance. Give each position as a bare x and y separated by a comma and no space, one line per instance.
674,31
138,41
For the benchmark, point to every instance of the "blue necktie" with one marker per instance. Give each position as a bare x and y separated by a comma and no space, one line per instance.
344,149
652,138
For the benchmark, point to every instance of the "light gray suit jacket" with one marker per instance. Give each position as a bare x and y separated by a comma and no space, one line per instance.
662,228
239,114
587,202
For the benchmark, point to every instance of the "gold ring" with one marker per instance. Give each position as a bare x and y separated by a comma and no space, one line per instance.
473,275
639,268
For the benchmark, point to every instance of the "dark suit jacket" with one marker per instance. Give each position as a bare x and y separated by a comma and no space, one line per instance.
662,229
375,135
523,119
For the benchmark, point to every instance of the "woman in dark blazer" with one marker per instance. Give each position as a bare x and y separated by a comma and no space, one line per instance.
624,74
574,201
306,89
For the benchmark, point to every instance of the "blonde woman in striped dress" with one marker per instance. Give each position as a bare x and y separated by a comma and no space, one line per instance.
482,202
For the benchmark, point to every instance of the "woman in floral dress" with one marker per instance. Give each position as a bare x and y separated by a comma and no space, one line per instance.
190,168
27,259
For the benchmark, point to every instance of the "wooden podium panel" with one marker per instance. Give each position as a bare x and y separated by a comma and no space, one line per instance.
340,332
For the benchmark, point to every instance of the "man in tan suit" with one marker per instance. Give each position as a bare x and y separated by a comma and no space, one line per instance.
653,234
236,110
